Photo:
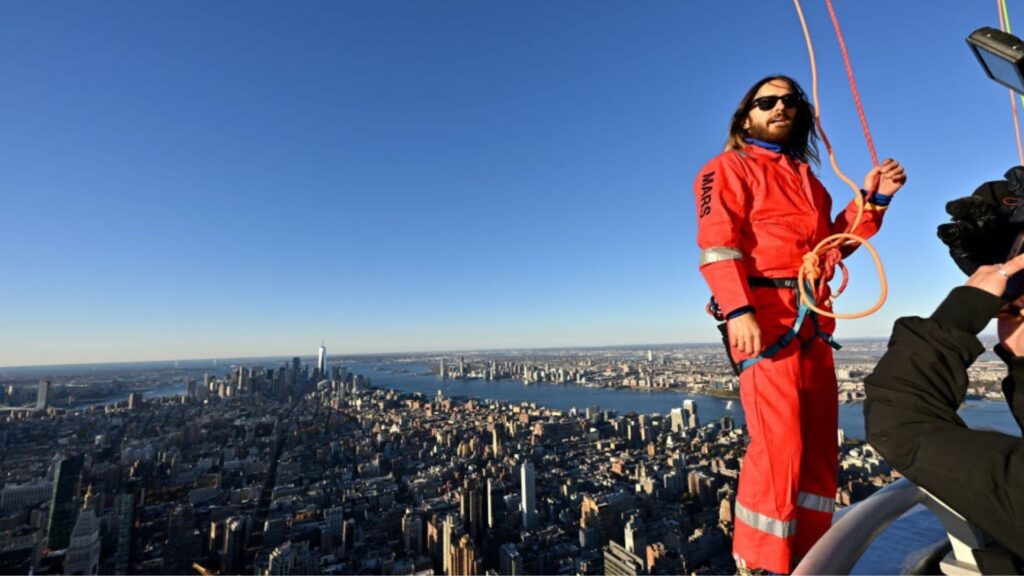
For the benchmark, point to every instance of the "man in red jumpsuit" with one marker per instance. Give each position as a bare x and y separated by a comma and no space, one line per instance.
759,210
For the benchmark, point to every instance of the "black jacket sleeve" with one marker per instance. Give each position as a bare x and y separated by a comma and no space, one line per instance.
910,415
1013,384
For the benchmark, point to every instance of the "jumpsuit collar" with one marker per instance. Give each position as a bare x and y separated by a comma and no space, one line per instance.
766,145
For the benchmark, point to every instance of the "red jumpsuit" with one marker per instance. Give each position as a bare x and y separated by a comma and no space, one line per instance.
758,213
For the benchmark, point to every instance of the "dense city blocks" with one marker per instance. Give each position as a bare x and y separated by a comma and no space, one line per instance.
317,468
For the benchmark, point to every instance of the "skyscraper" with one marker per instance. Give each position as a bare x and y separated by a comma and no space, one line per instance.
677,420
333,520
83,552
690,410
684,418
43,395
67,479
472,509
451,529
289,558
495,503
282,560
183,538
321,361
602,512
242,385
528,496
496,440
412,533
635,541
465,561
235,536
124,520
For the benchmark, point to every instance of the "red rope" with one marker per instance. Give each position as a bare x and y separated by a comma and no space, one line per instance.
853,83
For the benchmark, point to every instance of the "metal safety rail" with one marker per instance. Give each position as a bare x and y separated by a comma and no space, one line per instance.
856,527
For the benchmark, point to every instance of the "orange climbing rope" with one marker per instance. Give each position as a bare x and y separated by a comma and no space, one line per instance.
819,264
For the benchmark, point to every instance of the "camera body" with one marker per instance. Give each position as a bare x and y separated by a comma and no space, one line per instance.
988,227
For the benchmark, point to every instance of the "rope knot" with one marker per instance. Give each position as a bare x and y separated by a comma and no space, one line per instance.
832,257
810,267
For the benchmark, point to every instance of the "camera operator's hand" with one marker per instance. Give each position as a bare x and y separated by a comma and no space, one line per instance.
1010,328
745,334
885,179
993,278
1010,321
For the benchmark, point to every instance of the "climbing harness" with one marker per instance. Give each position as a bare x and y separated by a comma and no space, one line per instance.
803,311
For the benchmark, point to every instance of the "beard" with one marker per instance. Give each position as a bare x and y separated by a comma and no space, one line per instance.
769,133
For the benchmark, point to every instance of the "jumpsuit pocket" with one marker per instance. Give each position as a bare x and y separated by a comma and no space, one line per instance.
778,243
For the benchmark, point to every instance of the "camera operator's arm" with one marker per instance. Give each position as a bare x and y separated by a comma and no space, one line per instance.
912,399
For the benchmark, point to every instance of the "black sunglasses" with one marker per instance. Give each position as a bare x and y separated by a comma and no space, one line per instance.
768,102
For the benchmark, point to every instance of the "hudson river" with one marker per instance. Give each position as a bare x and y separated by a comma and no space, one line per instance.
414,377
977,413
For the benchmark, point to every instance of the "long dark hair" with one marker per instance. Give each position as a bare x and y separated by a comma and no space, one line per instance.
803,141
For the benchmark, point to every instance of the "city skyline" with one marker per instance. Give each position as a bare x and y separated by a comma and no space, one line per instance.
344,356
263,469
189,181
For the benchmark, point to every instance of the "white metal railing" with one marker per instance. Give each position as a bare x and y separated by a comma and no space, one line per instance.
856,527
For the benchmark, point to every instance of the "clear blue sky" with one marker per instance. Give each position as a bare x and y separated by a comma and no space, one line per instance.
219,179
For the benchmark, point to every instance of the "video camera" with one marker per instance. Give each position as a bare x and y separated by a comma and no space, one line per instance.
988,226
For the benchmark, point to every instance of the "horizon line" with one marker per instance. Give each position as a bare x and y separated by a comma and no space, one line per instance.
402,353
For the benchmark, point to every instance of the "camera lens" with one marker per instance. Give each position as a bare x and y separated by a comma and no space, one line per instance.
954,232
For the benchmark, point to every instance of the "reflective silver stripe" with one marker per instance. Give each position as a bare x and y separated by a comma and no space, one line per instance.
815,502
764,523
718,254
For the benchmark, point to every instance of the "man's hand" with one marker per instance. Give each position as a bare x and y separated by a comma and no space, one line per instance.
885,179
745,334
1010,327
1009,319
993,278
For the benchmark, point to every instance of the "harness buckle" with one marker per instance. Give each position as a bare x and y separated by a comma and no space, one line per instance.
802,312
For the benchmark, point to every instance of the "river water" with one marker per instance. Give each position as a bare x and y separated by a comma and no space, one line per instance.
415,377
977,413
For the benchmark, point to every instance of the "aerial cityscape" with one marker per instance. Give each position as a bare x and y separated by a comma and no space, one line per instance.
413,288
308,467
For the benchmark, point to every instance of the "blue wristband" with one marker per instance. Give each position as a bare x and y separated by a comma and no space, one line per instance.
739,312
878,199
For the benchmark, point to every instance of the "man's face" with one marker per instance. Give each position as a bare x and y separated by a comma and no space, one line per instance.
775,124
